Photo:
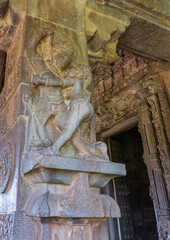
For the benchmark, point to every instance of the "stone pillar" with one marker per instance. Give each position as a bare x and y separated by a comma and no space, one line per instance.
158,191
51,166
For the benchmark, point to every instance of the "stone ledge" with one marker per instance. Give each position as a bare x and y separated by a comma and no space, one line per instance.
60,170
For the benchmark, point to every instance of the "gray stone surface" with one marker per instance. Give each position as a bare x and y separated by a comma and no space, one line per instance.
144,38
61,170
72,164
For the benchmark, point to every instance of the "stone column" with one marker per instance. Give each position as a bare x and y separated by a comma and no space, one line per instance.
151,158
51,166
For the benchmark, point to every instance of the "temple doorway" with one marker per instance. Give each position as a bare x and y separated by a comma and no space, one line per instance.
138,221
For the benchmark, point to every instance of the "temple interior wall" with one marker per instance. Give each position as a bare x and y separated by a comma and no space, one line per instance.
46,193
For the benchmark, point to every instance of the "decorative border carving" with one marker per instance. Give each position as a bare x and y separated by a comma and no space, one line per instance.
152,160
165,108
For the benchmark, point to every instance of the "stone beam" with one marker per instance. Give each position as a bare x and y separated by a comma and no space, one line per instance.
102,40
147,10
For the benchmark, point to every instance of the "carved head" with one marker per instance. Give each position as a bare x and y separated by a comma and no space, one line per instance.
61,59
80,72
61,54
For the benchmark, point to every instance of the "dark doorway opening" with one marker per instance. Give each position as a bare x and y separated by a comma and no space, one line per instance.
132,192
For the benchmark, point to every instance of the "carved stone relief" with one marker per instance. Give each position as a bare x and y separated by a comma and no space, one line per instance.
59,150
9,113
9,19
6,226
116,87
151,157
59,120
165,109
60,96
162,146
139,90
5,167
127,69
11,31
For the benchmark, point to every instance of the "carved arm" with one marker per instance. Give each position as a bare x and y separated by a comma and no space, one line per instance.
51,82
36,61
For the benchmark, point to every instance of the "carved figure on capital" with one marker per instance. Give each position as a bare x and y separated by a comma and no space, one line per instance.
59,109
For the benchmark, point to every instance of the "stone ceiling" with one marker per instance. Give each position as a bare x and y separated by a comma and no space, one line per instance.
146,39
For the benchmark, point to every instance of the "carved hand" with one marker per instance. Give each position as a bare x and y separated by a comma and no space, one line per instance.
36,80
71,82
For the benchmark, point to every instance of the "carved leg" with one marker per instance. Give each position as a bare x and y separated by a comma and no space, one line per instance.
82,148
77,114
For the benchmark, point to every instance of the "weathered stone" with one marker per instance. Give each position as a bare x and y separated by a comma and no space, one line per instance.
145,37
10,161
51,166
101,40
141,93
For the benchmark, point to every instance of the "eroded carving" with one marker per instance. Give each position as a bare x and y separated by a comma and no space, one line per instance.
11,31
5,166
59,109
9,113
9,19
79,200
6,226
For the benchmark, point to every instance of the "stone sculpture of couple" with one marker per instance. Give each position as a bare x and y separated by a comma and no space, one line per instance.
59,109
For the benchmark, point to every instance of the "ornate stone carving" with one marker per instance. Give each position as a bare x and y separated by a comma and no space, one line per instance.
6,226
62,159
153,163
5,167
138,89
165,109
59,109
161,138
127,69
116,86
